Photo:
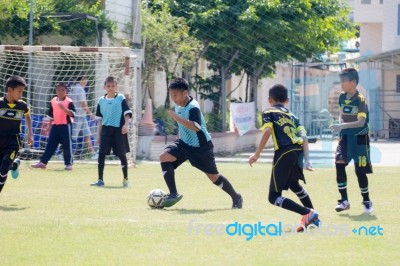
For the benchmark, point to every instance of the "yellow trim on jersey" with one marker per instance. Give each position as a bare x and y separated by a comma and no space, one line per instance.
264,127
362,115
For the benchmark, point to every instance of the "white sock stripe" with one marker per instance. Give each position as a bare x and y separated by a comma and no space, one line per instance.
300,191
342,187
305,196
2,183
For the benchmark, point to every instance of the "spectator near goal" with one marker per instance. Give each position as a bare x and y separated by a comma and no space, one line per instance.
78,96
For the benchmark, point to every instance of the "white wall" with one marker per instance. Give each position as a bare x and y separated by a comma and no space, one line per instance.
390,38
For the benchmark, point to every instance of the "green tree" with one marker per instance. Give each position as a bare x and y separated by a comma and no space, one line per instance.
167,44
14,20
252,35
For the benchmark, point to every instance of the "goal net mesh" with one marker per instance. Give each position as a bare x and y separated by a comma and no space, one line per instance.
44,67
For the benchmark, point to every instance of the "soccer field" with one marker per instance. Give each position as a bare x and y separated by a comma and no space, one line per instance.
53,217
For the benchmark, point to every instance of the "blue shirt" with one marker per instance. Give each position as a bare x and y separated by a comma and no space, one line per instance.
191,111
113,110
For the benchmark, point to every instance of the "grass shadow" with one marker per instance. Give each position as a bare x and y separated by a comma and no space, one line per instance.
360,217
12,208
196,211
114,187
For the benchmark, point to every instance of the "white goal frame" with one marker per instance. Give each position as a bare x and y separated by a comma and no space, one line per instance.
126,75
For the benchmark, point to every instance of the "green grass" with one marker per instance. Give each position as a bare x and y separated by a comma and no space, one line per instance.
53,217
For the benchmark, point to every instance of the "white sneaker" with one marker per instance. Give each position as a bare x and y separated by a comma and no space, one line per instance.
94,156
367,206
342,205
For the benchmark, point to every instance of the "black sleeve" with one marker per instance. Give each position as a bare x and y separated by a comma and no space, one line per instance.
71,107
50,111
98,113
195,115
125,109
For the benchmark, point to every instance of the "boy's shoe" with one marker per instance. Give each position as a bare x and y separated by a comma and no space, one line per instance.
39,165
237,203
68,167
317,223
125,183
14,168
98,183
309,218
94,156
342,205
367,206
172,199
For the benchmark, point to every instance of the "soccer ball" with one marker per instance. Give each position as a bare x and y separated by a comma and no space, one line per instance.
156,198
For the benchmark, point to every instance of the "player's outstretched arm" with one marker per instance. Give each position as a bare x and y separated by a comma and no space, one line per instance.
264,139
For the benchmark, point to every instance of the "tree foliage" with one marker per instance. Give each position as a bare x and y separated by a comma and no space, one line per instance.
14,19
264,32
168,46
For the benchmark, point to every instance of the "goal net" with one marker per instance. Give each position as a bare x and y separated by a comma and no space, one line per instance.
44,66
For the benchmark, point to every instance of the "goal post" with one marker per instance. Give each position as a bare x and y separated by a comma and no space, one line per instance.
44,66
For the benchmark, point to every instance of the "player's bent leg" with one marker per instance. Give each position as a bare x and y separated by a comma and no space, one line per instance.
167,166
341,179
223,183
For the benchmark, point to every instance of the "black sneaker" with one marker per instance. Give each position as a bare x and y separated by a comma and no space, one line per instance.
172,199
237,203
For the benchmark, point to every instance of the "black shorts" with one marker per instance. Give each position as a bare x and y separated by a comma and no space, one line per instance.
356,148
287,168
112,137
9,146
200,157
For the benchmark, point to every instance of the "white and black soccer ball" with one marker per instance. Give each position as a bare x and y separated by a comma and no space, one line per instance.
156,198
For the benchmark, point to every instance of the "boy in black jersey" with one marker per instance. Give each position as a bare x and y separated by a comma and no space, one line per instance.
290,139
354,139
194,144
12,111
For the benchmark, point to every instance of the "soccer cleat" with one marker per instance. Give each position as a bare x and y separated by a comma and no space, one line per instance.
14,168
68,167
237,203
367,206
317,223
309,218
39,165
98,183
125,183
172,199
342,205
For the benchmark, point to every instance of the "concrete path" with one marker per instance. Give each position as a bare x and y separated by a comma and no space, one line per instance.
322,153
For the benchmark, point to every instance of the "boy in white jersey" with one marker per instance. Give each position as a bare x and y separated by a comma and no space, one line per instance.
194,144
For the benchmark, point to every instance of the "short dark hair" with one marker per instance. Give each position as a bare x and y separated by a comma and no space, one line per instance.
110,79
62,84
350,74
178,84
15,81
279,93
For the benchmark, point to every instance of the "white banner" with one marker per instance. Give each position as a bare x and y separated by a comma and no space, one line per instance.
242,117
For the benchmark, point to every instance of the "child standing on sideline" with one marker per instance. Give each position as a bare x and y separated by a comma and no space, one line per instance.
194,144
114,113
290,138
12,111
61,113
354,139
